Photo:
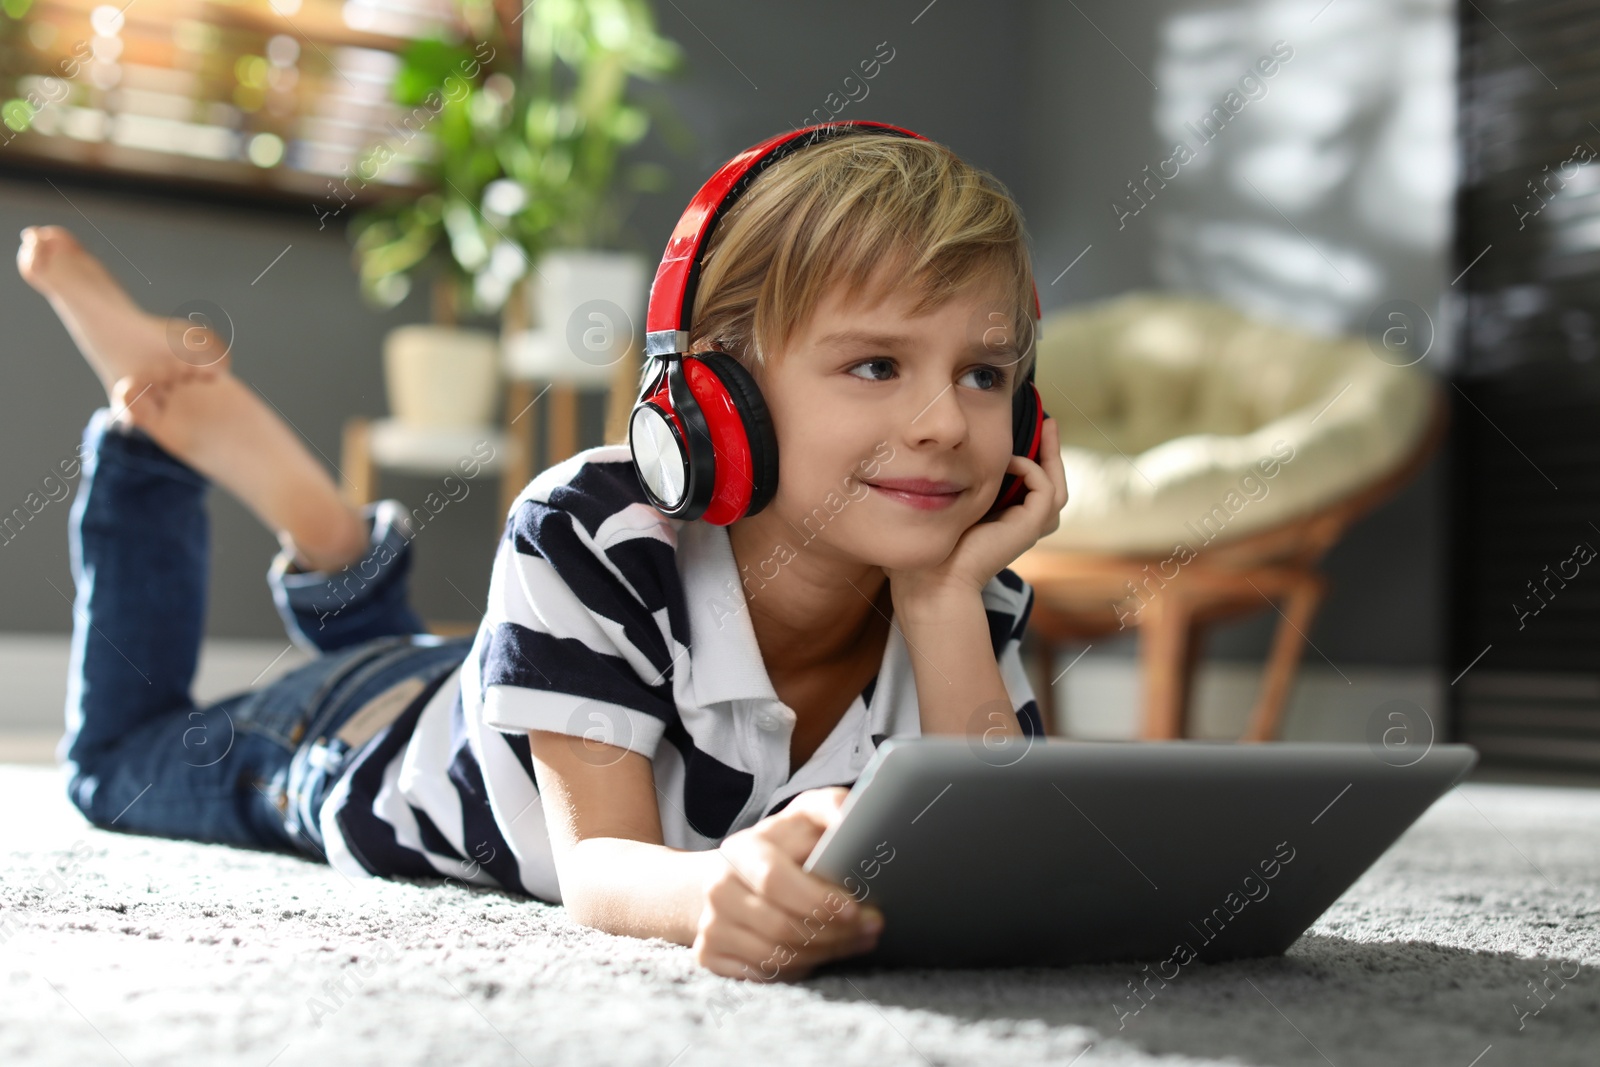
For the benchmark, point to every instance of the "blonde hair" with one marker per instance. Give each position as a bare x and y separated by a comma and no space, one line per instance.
835,212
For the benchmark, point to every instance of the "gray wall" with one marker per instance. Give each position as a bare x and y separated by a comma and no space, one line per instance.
1027,89
1349,151
303,339
955,75
307,342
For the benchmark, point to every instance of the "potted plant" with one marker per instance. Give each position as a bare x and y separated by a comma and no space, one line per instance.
529,118
529,114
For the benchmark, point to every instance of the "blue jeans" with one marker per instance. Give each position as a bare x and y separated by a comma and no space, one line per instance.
251,769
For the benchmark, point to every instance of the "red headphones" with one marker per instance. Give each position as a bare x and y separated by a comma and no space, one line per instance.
700,433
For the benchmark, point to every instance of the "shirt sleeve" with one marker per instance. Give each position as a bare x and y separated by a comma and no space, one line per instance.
1008,608
575,639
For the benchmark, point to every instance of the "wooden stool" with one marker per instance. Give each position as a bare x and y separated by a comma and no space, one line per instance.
372,446
561,438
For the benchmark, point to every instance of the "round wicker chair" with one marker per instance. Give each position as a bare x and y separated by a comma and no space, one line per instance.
1211,461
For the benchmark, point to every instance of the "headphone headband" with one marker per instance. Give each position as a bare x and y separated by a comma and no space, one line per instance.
672,292
700,435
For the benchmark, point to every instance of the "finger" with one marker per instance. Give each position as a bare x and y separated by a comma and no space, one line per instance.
810,900
816,804
768,869
757,956
796,833
801,824
1054,465
826,928
1052,468
824,801
1040,496
811,943
1046,497
759,934
728,967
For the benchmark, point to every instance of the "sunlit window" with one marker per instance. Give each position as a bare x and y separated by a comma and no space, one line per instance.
279,96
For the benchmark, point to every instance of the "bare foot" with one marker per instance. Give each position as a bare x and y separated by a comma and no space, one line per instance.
222,428
113,333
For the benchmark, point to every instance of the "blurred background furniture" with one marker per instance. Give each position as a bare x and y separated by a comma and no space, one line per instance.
529,377
575,327
442,382
1211,461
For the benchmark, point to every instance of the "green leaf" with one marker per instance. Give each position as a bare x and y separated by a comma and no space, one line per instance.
571,114
466,241
424,67
17,114
629,124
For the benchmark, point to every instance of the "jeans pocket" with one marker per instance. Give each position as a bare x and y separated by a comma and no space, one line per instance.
283,710
278,711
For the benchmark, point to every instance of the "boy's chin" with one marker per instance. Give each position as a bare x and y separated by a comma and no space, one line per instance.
924,553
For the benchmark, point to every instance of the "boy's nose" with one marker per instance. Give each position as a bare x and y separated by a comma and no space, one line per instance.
939,416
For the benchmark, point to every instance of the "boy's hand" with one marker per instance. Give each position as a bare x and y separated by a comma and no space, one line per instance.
765,917
985,548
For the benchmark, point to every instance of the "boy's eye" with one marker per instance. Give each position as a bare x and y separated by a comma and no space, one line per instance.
877,370
988,378
997,376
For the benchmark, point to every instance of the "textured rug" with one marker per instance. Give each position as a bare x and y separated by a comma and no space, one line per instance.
1474,942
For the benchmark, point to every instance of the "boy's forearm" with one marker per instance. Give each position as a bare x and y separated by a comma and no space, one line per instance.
959,688
636,888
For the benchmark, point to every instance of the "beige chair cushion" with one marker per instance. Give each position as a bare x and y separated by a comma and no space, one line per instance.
1185,422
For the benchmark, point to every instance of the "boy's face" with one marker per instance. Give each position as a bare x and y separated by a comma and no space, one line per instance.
866,394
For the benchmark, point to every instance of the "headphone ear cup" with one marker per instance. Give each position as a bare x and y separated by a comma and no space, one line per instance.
752,407
1027,416
1027,437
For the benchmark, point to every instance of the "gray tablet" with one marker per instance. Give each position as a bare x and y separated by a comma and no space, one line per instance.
1057,852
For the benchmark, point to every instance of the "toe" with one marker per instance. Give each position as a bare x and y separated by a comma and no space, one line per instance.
40,247
28,257
136,400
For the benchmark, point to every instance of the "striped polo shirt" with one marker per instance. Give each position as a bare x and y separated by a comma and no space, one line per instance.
609,620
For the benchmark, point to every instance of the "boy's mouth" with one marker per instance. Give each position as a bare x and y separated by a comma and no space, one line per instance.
922,493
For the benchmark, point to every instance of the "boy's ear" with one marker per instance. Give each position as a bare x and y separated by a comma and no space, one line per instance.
717,345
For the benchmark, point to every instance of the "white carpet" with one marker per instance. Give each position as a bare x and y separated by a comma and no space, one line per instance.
120,949
1097,691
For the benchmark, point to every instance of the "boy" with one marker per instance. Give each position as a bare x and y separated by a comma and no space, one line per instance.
535,759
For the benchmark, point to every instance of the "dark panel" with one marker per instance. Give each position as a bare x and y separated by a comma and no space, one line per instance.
1525,640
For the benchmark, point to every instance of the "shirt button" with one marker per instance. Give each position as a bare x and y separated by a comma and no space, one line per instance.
768,720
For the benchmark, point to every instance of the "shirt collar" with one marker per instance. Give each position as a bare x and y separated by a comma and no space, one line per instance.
725,660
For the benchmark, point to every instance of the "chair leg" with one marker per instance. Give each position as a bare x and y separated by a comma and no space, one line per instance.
1191,662
1303,599
1039,656
519,459
563,432
624,390
360,475
1166,635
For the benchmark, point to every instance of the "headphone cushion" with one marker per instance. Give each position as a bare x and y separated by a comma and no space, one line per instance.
1024,420
752,407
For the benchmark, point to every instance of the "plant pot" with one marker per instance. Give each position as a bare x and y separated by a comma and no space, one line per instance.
441,376
590,305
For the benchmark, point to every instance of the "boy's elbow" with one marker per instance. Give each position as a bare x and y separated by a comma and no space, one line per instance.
631,888
574,883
